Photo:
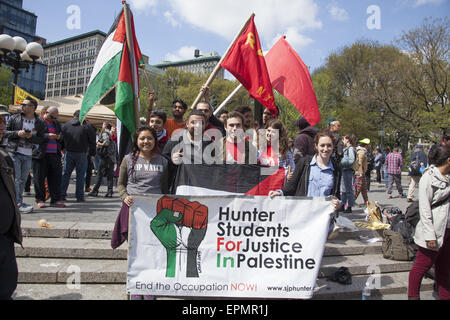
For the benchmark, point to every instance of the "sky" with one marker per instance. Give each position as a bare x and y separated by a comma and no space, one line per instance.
170,30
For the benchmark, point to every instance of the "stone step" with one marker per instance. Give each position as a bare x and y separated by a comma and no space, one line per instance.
70,248
394,284
55,270
362,265
84,230
100,279
101,249
48,270
26,291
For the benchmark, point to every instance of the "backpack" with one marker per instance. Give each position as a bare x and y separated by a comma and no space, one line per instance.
355,165
414,167
412,215
395,247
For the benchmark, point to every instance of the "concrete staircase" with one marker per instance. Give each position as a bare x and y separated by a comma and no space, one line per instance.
53,258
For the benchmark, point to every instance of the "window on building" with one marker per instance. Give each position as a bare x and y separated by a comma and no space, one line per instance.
81,72
58,76
59,59
46,54
73,73
76,47
64,92
65,75
92,42
74,64
74,56
53,52
64,83
56,93
50,77
80,81
71,91
50,86
91,52
66,66
57,84
58,68
52,61
50,94
51,69
84,45
83,54
60,50
81,63
91,60
80,90
72,82
67,49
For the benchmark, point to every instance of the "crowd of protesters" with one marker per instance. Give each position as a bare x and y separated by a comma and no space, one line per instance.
317,162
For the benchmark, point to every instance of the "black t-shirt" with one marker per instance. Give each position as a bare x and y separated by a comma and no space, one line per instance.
7,210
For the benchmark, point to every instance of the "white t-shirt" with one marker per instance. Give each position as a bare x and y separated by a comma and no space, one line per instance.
25,147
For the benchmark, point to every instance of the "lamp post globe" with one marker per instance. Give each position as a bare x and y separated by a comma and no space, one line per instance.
20,44
7,43
34,50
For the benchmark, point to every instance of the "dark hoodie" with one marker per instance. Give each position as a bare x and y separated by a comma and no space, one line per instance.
78,137
304,143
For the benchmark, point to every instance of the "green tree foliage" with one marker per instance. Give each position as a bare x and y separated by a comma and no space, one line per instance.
408,81
5,87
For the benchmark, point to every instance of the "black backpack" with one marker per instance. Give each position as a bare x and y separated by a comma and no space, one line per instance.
412,215
414,167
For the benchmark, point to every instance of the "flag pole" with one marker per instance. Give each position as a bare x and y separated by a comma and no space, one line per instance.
218,67
129,38
225,102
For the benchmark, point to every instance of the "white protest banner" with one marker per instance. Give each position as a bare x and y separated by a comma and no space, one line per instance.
226,246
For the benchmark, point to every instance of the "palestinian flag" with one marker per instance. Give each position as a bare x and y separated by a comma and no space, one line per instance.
229,179
113,70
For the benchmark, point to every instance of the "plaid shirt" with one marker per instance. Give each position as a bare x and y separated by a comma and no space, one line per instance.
394,163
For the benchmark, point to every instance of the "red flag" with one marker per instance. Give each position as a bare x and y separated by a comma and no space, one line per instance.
291,78
246,62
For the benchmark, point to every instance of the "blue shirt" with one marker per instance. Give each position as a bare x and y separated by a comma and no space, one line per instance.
320,179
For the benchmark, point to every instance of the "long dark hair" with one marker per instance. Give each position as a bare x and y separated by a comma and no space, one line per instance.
135,148
282,136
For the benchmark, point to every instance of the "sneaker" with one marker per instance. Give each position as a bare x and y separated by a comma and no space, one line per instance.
58,204
409,200
41,204
334,234
25,209
401,196
389,197
87,189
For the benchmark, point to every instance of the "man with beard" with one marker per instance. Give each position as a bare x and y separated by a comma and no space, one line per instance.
179,108
237,149
188,147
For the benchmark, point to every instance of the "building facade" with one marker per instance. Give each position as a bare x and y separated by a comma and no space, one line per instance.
15,21
204,64
70,63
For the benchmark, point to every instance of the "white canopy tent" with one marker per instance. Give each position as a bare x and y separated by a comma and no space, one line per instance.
68,105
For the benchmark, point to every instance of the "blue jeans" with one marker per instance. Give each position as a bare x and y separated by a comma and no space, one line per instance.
386,177
347,191
22,167
77,161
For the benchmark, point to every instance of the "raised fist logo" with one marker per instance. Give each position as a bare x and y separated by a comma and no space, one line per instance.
180,225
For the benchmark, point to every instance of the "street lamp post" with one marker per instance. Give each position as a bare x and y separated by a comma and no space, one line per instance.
18,54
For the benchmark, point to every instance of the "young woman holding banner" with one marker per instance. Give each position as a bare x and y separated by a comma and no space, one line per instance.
315,176
143,171
135,178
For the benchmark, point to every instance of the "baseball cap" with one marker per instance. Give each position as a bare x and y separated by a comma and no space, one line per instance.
365,141
4,110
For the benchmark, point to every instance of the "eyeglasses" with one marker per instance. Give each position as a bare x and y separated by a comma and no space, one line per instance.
28,105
